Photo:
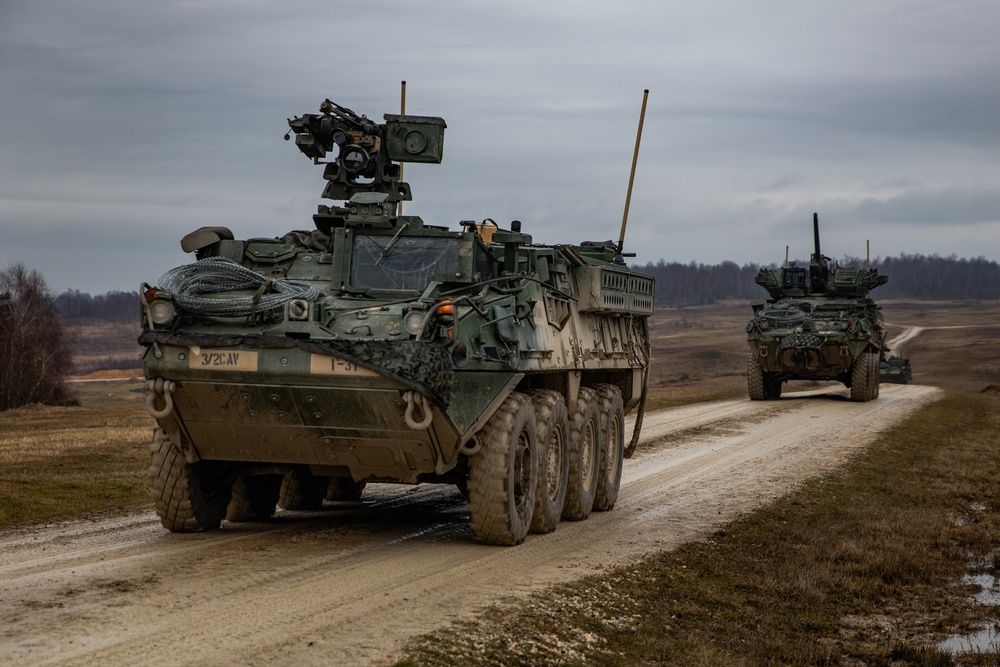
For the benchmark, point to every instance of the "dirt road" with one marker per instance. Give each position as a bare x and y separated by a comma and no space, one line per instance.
346,586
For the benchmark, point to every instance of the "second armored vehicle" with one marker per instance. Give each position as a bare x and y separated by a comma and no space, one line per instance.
377,348
895,369
819,324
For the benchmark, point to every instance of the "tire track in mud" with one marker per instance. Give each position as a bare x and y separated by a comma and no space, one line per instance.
350,584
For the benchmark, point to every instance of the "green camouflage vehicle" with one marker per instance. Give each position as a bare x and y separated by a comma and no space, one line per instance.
377,348
819,324
895,369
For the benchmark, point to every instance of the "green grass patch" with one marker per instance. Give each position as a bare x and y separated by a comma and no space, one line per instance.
861,567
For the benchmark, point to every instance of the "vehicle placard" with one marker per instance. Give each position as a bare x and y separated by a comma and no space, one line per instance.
223,360
321,364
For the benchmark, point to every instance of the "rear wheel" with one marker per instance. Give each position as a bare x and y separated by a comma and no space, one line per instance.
189,497
254,498
584,456
552,425
609,476
503,476
344,488
302,490
772,386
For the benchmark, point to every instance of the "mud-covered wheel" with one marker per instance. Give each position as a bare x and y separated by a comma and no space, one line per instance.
503,476
876,378
552,425
188,497
863,378
344,488
254,498
609,474
755,380
302,490
584,456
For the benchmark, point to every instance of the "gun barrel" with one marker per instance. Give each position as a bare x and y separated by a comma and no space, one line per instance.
816,234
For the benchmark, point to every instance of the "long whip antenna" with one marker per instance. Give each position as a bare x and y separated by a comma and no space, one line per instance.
619,258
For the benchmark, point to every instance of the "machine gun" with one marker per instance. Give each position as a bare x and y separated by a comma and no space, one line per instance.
819,268
365,172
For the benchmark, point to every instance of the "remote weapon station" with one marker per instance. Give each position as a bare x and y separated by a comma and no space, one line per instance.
819,324
377,348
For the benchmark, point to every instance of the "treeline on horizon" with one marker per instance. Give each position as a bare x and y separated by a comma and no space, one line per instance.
920,277
677,285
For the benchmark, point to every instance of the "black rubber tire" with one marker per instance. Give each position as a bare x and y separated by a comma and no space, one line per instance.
862,388
755,380
609,475
876,380
254,498
189,497
301,490
552,425
344,489
772,387
584,456
503,475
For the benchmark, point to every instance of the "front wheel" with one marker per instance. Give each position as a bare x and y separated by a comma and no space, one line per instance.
864,377
755,380
503,476
189,497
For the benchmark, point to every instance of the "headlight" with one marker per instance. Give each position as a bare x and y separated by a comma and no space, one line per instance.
162,312
413,321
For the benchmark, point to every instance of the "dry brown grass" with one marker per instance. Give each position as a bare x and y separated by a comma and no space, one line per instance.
57,462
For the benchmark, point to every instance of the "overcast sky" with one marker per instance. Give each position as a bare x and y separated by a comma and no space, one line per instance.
126,124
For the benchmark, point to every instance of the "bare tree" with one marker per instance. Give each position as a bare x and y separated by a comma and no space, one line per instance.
34,356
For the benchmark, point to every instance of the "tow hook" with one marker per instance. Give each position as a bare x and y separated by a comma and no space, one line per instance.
412,398
160,388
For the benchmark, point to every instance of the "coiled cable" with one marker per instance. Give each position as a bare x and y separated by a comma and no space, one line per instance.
188,284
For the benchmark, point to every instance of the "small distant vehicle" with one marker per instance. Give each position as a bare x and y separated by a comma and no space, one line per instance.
819,324
895,369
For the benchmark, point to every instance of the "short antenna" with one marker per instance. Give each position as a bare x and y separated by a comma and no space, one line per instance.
402,112
619,258
786,257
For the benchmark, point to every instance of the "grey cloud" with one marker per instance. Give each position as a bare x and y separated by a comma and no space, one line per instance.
126,124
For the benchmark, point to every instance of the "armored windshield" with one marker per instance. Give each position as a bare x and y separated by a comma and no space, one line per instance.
408,264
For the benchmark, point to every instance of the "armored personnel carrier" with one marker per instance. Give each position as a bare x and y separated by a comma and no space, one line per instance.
895,369
377,348
819,324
